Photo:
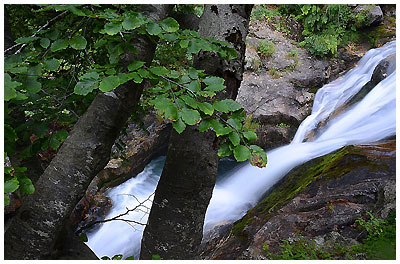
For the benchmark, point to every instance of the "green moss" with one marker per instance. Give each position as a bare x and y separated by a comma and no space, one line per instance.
325,168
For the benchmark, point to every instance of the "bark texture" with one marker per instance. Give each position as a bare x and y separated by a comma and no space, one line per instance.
35,230
175,226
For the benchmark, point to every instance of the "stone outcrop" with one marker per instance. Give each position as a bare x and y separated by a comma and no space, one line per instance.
373,14
319,200
278,90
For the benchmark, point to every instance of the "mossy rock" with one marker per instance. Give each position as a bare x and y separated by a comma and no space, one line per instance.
323,169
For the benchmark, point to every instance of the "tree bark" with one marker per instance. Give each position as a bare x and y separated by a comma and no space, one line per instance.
175,226
35,230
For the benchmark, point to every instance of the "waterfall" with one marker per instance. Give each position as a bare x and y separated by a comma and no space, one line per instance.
370,120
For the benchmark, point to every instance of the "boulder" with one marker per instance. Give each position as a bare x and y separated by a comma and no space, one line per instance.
318,201
371,14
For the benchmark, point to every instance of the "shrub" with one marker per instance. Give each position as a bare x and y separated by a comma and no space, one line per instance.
266,48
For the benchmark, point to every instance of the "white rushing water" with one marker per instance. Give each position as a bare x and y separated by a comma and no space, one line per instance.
370,120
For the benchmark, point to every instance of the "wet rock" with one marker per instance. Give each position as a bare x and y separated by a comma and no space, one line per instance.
319,201
373,14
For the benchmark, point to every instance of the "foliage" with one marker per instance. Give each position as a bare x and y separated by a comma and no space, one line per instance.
66,54
266,48
326,27
380,242
15,179
262,12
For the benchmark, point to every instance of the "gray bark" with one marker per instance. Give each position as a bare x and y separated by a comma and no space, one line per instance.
35,230
175,226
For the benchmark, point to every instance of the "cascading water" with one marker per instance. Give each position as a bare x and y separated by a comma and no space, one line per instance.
370,120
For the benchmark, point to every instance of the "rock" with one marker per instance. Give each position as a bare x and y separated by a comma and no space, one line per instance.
384,69
318,201
278,90
373,14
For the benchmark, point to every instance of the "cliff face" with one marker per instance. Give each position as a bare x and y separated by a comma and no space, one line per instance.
318,202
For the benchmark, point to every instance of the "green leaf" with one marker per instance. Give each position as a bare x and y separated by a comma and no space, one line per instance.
159,70
190,101
83,237
11,185
184,43
52,64
250,135
207,108
114,51
59,44
90,76
133,21
61,135
109,83
112,28
234,138
241,153
100,43
153,28
193,73
105,258
179,125
9,133
40,129
204,125
25,40
224,150
259,157
143,73
88,82
194,86
17,69
9,87
235,123
135,65
75,10
54,142
117,257
170,25
233,105
169,36
171,112
130,258
219,129
136,77
6,199
155,257
20,169
45,43
78,42
190,117
215,84
32,85
20,96
221,106
26,185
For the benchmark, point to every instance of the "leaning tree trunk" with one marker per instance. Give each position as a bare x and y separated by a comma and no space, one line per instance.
175,226
36,229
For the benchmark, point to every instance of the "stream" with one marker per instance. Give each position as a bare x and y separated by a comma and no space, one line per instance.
240,187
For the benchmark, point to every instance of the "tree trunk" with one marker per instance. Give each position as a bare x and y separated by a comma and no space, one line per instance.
175,226
35,230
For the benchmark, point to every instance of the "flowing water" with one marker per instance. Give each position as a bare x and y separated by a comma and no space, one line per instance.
370,120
